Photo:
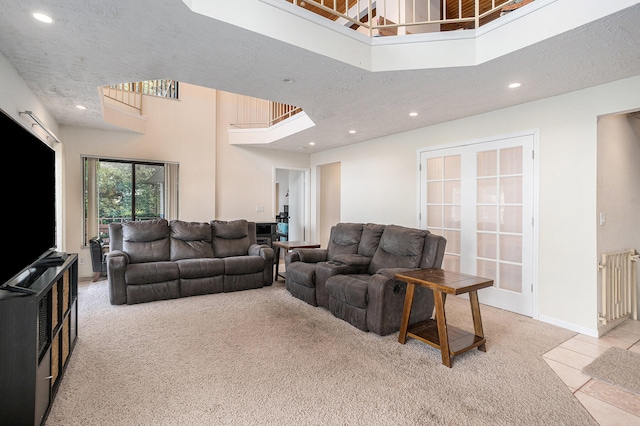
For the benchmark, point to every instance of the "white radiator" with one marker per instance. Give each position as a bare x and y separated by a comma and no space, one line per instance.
618,285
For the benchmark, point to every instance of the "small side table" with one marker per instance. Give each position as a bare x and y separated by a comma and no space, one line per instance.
289,245
450,340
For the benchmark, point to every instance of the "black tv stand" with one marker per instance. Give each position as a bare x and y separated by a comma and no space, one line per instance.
54,259
17,289
38,332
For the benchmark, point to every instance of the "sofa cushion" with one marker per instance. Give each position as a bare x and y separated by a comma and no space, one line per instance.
241,265
146,241
371,234
347,289
399,247
201,267
151,273
302,273
344,239
190,240
230,238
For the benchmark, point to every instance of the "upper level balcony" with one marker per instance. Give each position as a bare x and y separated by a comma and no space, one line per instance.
403,17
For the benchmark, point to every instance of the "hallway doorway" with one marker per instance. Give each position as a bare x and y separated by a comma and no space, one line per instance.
291,200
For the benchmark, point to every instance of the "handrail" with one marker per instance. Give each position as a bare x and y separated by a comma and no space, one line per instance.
386,17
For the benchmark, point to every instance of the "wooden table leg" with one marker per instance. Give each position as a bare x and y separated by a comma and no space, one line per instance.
443,335
277,256
477,319
406,313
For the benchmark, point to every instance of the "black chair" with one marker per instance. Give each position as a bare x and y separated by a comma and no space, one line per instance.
98,258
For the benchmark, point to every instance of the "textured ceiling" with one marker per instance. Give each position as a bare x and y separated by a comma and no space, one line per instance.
93,43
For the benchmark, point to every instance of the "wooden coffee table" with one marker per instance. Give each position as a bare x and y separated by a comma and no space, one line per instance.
289,245
450,340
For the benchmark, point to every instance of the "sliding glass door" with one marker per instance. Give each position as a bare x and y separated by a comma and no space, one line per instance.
122,191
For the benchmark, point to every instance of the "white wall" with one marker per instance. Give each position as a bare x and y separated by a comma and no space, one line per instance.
245,175
618,185
382,186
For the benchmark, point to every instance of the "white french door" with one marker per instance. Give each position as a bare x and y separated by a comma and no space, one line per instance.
480,198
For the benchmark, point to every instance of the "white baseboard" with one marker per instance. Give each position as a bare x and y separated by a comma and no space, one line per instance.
570,326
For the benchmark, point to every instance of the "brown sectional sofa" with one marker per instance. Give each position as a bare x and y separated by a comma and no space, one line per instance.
157,259
354,276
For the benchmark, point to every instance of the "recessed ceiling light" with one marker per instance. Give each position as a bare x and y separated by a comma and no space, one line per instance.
413,114
81,107
312,143
42,17
352,131
514,85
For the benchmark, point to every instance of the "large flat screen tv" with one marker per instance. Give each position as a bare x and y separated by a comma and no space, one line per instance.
28,217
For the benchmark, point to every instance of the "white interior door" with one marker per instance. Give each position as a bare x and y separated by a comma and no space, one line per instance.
480,198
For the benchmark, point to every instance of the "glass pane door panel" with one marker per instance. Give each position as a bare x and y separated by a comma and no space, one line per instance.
487,190
434,217
452,193
453,241
487,246
452,217
452,167
487,218
511,277
511,161
511,219
451,263
487,269
511,190
511,248
488,163
435,168
434,192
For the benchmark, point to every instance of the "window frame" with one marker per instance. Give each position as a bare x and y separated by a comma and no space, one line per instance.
170,198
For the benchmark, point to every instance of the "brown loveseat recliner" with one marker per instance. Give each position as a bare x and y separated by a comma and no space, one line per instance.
156,259
354,276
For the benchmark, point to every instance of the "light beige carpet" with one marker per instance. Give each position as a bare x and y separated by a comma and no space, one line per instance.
262,357
618,367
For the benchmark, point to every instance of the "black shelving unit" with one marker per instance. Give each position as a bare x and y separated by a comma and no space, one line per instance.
38,332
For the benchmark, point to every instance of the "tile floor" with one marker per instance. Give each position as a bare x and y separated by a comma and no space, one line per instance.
607,404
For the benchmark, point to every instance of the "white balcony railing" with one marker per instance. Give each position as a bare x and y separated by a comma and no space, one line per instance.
399,17
130,94
254,113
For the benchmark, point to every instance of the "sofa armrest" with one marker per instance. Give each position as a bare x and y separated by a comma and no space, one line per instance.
291,257
258,250
265,252
390,273
352,260
117,262
311,255
306,255
386,302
